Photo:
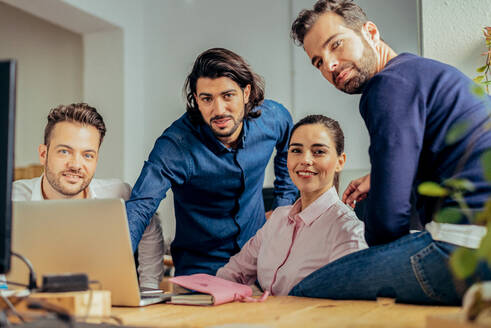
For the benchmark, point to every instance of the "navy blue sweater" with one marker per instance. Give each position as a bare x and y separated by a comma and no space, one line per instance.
409,108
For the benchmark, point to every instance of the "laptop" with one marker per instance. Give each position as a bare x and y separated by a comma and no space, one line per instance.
78,236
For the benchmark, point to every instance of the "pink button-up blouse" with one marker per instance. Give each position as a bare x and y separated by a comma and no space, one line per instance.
294,243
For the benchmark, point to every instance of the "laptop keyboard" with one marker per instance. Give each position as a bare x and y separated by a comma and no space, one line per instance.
153,294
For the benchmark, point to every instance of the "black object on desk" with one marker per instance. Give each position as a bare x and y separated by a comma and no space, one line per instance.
68,282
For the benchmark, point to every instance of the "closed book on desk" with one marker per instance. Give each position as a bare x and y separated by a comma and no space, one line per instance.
193,299
211,290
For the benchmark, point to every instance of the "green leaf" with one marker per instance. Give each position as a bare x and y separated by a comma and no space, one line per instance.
481,69
464,262
459,184
486,164
486,82
456,132
478,79
485,215
477,90
448,215
484,250
432,189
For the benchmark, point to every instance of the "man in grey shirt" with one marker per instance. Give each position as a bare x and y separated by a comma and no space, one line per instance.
72,139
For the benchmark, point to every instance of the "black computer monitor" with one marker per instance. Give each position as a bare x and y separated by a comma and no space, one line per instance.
7,119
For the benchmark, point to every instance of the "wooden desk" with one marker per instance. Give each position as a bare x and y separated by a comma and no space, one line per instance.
284,311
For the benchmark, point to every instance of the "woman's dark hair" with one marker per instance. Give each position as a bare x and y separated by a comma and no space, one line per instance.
77,113
219,62
335,131
353,16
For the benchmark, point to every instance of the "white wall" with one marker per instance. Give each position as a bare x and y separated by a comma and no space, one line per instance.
452,32
104,89
126,109
50,72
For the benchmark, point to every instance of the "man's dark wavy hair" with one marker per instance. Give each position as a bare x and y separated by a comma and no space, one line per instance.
220,62
353,16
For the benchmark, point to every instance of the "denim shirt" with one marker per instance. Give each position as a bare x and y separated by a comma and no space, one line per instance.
217,191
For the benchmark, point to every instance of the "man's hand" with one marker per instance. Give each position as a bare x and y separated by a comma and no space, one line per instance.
356,191
268,214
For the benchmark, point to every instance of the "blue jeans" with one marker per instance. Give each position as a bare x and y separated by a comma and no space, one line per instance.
412,269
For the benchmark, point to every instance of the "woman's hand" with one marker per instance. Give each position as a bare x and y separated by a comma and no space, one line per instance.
356,191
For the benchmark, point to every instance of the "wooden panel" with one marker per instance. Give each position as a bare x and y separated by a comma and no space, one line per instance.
28,172
95,303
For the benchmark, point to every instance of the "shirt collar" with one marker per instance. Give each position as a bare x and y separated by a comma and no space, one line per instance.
216,145
314,210
91,194
37,190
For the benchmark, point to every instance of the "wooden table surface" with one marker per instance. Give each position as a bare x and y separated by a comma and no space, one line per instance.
284,311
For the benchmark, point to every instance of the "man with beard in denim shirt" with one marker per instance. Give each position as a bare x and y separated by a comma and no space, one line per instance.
213,158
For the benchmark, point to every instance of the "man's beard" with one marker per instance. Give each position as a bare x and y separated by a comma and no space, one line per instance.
225,134
54,179
365,70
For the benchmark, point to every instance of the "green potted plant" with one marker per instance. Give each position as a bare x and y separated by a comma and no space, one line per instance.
464,260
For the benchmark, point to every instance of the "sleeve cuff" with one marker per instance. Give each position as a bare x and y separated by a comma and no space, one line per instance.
282,202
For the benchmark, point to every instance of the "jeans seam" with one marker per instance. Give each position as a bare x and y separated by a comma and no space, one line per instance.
379,249
419,272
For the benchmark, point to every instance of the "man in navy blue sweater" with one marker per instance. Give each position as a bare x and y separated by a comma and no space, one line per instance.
409,105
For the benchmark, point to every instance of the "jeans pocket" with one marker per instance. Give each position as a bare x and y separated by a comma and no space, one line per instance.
431,268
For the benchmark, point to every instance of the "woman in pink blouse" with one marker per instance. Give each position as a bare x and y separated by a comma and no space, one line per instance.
318,229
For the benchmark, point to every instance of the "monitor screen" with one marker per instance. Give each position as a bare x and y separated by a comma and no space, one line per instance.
7,113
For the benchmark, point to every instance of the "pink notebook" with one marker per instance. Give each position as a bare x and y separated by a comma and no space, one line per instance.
221,290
